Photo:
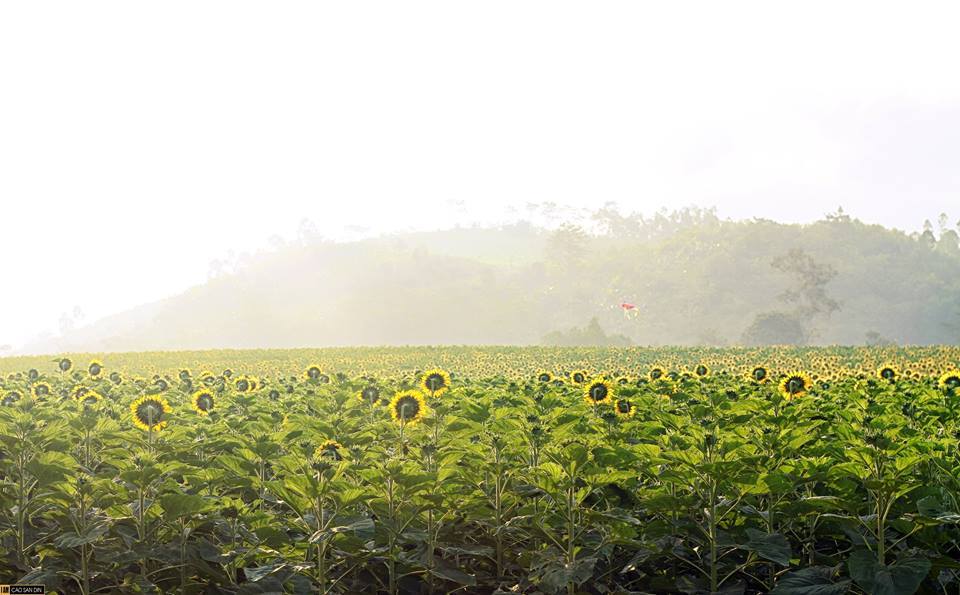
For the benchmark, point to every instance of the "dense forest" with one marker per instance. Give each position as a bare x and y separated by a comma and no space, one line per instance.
696,280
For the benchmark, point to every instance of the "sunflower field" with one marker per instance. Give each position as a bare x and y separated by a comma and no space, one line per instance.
483,470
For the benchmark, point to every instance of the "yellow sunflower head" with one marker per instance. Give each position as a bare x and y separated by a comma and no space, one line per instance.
949,381
203,401
656,373
64,364
624,408
244,384
759,374
701,370
435,382
370,394
95,368
87,397
598,392
315,373
888,373
578,377
544,377
41,390
10,398
330,450
150,412
408,407
795,384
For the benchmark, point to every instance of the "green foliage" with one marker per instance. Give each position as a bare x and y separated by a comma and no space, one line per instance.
715,483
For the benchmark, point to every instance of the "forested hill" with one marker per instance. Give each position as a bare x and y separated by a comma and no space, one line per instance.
695,279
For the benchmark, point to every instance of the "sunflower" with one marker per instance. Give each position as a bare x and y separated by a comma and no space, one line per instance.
10,398
435,381
578,377
41,390
408,407
203,401
116,378
329,449
315,373
88,397
598,392
888,373
795,384
369,395
701,370
207,377
95,368
243,384
950,380
759,374
624,408
656,373
64,364
148,412
544,377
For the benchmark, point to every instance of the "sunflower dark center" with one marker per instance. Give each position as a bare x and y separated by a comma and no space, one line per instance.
408,407
701,370
623,406
544,378
952,381
150,412
371,393
95,369
598,392
434,382
205,402
578,377
887,373
243,385
656,374
795,385
313,373
759,374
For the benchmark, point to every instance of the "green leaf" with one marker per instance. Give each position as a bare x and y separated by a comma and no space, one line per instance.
817,580
556,575
362,528
903,577
769,546
91,534
183,505
454,575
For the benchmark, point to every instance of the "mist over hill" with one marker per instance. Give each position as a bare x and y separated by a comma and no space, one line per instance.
695,279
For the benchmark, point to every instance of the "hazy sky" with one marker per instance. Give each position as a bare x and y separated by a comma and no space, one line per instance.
139,141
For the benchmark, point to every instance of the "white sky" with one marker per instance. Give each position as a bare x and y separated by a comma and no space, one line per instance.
140,141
